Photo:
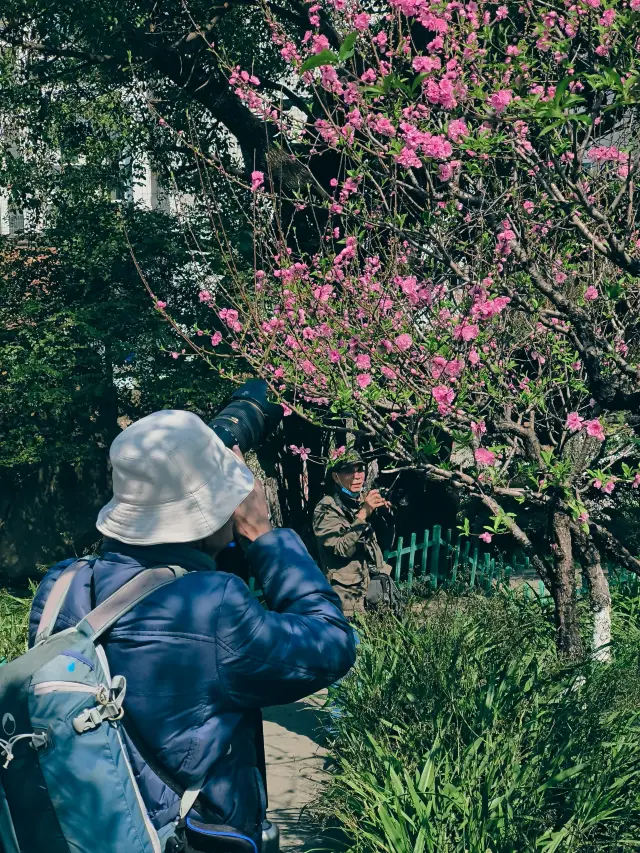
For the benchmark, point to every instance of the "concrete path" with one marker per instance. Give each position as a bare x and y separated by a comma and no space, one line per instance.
295,771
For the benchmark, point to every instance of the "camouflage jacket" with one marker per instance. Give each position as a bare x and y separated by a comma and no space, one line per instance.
350,549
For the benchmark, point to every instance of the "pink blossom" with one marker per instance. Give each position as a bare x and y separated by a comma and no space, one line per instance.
361,22
423,64
591,293
635,5
334,356
478,429
408,158
364,379
160,304
383,126
437,147
583,517
443,394
636,479
500,100
257,180
319,43
404,342
229,317
289,52
529,206
486,537
595,429
216,337
606,154
286,411
174,355
456,129
608,17
205,296
302,452
484,457
323,293
597,484
468,332
363,362
338,452
610,486
474,358
388,372
574,422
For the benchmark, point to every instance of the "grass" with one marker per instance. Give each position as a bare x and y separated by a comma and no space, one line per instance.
461,732
14,623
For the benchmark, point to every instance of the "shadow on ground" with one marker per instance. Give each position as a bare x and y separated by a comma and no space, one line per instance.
305,718
294,737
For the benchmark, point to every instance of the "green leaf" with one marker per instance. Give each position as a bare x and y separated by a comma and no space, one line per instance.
347,46
325,57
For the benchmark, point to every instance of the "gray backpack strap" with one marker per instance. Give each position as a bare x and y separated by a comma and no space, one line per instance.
56,598
125,599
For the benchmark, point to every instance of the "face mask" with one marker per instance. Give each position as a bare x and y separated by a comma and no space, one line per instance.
352,495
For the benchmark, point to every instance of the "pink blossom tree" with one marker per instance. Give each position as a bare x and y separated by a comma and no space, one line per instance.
447,249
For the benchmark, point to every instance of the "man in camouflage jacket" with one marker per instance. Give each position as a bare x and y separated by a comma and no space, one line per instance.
352,530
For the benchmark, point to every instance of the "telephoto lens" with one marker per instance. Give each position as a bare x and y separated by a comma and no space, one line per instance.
248,418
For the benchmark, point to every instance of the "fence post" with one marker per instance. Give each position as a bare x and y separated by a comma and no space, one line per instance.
412,555
456,560
487,571
425,554
474,565
435,558
398,559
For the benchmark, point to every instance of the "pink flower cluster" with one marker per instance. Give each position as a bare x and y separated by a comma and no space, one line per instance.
229,317
485,457
593,427
257,180
302,452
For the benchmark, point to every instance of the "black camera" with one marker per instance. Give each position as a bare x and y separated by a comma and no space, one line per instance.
395,496
248,418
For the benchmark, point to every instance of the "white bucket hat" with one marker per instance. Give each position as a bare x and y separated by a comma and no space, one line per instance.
173,481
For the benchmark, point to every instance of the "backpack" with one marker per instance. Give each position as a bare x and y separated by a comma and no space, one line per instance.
66,783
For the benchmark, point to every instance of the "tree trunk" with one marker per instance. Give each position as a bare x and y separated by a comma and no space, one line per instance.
564,592
599,596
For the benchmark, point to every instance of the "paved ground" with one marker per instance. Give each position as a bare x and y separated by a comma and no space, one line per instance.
295,762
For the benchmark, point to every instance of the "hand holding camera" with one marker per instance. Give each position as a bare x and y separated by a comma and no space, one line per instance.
372,502
251,518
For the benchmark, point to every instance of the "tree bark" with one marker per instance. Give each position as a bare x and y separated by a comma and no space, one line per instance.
564,592
599,596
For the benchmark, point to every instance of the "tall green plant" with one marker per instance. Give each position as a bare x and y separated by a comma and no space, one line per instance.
460,732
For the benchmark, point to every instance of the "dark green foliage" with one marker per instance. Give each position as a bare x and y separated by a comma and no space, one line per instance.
462,733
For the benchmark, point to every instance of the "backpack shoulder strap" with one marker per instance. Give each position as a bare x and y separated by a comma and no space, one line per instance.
101,618
56,598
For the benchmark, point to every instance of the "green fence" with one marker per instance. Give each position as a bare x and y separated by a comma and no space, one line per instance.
443,560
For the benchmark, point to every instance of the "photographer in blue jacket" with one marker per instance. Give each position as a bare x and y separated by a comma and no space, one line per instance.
201,655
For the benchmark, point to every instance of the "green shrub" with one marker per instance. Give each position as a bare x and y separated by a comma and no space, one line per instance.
461,732
14,623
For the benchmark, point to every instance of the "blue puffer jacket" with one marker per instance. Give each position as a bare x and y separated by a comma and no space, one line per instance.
201,654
